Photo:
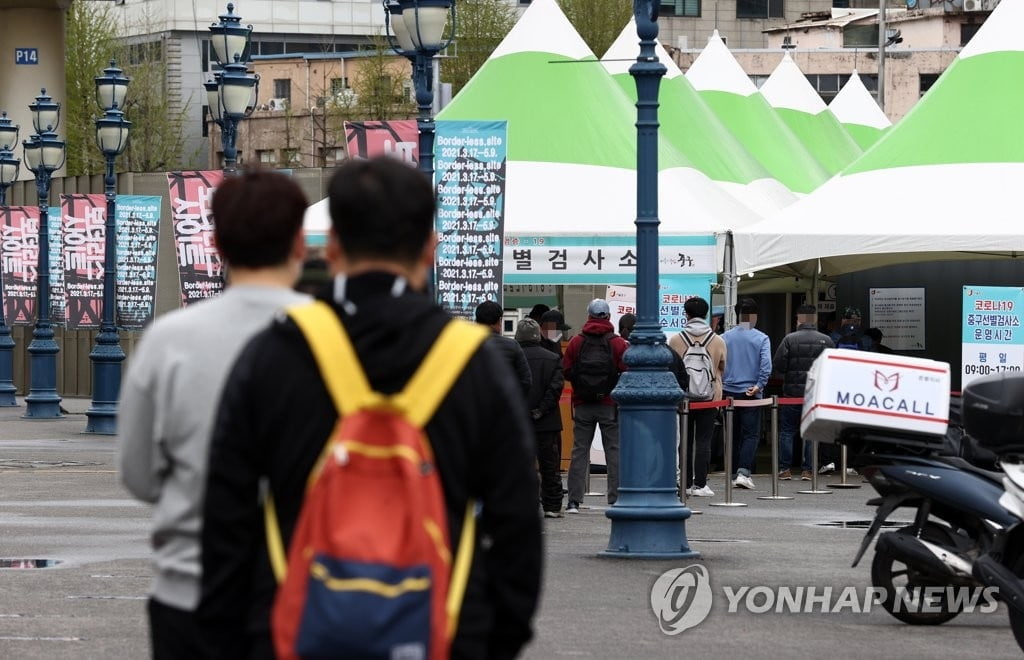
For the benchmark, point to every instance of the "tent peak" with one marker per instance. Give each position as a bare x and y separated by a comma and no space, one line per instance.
716,70
544,28
624,50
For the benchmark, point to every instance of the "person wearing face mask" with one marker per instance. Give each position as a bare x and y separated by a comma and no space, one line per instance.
553,329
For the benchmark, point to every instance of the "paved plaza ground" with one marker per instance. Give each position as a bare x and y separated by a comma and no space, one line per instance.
60,500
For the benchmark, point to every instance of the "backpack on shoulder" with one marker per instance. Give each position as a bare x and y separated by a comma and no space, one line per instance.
370,572
595,373
850,341
700,370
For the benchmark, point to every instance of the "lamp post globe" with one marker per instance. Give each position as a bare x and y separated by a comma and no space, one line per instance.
9,166
44,153
231,94
107,355
415,30
648,520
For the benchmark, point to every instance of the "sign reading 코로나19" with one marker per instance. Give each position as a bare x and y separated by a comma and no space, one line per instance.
601,259
993,340
199,264
138,227
19,249
470,161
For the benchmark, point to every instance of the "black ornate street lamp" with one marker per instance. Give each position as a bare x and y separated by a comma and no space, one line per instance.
230,94
648,520
8,175
44,154
107,355
415,30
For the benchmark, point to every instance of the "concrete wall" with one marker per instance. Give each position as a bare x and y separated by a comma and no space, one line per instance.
35,24
739,32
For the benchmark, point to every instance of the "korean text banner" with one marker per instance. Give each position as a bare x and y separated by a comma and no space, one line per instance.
138,224
469,164
20,256
82,234
370,139
601,259
993,340
199,265
673,292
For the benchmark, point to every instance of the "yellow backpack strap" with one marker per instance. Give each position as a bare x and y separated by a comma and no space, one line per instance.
335,357
346,383
439,370
460,571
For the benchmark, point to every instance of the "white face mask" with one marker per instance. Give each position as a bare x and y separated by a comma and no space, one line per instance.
554,335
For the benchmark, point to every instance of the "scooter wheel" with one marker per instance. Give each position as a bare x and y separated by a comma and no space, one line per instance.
896,578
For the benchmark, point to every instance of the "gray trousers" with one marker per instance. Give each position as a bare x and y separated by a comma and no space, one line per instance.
586,417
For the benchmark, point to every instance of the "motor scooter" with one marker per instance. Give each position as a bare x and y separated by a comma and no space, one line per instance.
993,414
954,497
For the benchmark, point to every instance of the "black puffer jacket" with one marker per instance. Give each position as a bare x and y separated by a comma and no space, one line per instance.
796,354
546,391
512,355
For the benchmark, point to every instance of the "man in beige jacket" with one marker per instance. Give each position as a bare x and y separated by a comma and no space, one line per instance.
701,421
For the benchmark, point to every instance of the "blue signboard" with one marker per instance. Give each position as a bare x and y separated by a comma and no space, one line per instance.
26,56
993,340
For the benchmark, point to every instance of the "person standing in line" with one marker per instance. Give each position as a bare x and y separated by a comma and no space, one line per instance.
490,313
592,363
173,384
276,415
793,359
746,375
542,401
626,324
553,329
701,421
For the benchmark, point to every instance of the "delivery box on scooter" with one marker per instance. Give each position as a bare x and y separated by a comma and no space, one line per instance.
847,388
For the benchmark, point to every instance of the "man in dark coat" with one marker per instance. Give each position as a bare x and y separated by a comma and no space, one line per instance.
276,416
552,330
490,313
542,401
793,359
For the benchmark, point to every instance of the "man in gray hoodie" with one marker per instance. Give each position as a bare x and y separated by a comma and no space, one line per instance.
173,386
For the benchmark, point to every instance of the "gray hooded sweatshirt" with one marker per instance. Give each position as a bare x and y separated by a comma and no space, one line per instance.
169,403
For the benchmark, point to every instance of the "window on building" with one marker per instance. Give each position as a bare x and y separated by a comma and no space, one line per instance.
292,157
271,47
860,36
758,80
759,9
338,85
266,156
967,32
925,81
331,156
283,88
680,8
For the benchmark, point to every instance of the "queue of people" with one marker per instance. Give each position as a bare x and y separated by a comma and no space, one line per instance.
236,436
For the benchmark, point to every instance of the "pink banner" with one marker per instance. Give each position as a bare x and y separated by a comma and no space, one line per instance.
83,235
200,270
371,139
19,252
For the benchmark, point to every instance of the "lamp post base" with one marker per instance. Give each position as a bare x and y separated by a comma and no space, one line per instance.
42,401
106,357
7,388
649,531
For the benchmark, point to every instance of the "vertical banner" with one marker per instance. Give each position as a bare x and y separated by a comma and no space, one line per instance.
899,314
370,139
469,164
19,250
199,264
992,337
138,224
82,234
58,295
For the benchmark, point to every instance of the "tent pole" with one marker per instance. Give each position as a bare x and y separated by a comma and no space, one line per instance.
730,284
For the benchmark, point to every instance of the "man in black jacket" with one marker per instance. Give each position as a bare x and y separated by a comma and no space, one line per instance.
276,416
793,359
490,313
543,398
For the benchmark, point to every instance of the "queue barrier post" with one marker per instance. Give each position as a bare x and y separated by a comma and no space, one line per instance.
727,458
843,467
814,475
775,455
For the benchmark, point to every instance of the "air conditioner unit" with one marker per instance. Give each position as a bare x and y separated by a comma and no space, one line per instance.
277,104
976,5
